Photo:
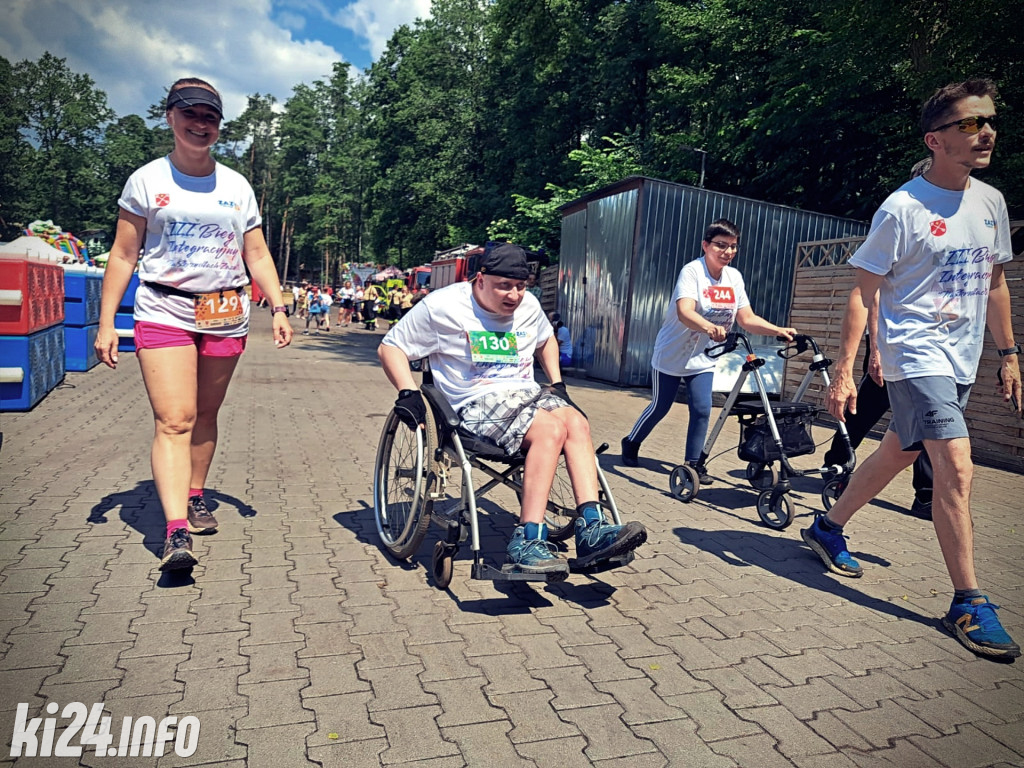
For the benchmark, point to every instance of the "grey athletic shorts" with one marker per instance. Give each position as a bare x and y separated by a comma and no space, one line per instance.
503,418
927,408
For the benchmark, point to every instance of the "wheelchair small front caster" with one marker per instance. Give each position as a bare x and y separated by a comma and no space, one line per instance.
684,483
775,509
442,564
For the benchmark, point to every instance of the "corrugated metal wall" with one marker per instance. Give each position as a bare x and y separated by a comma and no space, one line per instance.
668,223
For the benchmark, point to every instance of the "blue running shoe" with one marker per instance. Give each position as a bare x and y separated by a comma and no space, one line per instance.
602,541
977,627
534,555
831,548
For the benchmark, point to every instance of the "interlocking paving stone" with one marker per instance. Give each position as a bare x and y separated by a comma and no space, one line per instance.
793,738
353,754
213,650
463,702
678,742
276,746
209,689
274,703
413,735
761,751
396,688
533,716
217,745
295,614
345,715
714,720
149,675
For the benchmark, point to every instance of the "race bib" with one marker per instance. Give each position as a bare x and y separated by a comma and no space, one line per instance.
721,296
218,309
493,347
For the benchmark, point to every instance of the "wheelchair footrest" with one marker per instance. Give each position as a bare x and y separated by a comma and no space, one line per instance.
601,565
507,572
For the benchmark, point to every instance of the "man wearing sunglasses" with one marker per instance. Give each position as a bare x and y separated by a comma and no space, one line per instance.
934,256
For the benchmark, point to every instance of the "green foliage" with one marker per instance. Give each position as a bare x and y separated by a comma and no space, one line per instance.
482,120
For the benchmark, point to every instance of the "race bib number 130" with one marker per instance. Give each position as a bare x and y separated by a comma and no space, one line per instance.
493,347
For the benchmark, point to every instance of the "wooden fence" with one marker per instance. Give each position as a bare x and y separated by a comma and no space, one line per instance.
821,287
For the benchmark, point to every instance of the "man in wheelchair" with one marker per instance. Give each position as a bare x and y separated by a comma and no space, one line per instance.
481,339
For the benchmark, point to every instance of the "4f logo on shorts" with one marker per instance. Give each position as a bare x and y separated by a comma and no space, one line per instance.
163,200
939,227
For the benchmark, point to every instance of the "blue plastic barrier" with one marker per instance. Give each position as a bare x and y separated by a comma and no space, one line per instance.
30,366
79,352
82,299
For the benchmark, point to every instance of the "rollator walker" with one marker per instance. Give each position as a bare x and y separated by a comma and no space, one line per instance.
410,480
762,442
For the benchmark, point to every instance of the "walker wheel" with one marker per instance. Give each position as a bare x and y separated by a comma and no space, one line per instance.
684,483
776,513
761,476
442,564
833,490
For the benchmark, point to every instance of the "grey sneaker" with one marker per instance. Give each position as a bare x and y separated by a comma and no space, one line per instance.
200,519
177,554
534,555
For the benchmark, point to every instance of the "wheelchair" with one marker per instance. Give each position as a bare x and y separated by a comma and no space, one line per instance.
412,474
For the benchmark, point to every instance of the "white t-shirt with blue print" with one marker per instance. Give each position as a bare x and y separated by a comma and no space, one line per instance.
936,248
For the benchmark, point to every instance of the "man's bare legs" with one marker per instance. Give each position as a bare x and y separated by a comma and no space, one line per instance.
550,434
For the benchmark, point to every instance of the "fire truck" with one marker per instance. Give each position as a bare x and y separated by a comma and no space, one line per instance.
452,265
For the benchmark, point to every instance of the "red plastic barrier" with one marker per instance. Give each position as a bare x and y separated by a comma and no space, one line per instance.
42,296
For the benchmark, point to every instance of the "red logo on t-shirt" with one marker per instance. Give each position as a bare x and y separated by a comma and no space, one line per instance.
163,199
938,227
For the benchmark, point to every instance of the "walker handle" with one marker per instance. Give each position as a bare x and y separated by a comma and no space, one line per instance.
800,344
717,350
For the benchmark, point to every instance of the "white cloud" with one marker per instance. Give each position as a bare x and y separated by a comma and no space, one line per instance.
134,49
376,20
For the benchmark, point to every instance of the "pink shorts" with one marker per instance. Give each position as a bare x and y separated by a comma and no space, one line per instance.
156,336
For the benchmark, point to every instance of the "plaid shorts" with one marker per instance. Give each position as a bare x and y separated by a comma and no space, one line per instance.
503,418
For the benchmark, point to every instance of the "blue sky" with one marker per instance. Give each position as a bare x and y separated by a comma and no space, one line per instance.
134,49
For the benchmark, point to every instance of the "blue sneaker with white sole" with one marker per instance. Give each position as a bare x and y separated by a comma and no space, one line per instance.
975,624
830,546
534,555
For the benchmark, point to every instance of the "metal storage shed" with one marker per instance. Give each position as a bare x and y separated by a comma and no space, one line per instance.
623,246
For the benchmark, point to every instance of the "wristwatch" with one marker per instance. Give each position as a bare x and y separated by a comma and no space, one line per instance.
282,308
1014,350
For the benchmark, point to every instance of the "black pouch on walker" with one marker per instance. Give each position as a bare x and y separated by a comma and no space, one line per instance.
793,421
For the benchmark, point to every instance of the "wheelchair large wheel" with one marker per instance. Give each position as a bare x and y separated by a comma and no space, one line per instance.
561,512
776,513
684,483
402,480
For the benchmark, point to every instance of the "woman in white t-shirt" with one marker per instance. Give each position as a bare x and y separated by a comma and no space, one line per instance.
197,225
709,296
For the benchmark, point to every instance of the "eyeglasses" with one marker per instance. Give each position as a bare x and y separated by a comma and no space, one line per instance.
969,125
726,246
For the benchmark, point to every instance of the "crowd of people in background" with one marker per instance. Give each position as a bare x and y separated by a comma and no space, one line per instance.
356,304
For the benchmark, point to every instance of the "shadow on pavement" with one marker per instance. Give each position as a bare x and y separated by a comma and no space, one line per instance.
791,560
140,508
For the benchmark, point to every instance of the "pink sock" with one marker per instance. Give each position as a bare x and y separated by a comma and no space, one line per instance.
173,525
193,492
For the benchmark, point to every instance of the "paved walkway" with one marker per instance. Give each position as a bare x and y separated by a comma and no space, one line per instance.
296,642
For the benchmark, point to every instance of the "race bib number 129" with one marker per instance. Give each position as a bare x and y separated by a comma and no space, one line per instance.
493,347
218,309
